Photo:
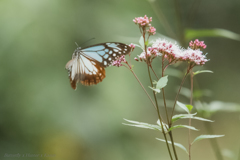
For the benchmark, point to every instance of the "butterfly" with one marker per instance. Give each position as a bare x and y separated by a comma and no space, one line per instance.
87,64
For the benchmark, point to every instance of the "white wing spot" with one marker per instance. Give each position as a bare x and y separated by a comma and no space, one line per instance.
114,54
119,52
124,52
100,74
94,72
125,49
115,50
110,59
125,46
105,63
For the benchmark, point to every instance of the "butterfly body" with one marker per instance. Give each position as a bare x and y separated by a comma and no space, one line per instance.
87,64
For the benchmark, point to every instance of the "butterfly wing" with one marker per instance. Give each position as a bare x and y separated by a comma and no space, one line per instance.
87,64
106,53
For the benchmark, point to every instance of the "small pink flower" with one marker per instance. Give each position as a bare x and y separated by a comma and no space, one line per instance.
197,44
119,61
132,46
152,30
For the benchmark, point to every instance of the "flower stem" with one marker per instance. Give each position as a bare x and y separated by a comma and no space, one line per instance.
174,105
159,116
155,98
189,121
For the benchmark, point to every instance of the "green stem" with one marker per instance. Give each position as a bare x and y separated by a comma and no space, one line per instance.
155,98
189,121
176,98
213,142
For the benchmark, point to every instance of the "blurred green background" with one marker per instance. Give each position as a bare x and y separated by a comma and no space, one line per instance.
41,114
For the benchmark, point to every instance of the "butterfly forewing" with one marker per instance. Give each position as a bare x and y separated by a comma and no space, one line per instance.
87,64
106,53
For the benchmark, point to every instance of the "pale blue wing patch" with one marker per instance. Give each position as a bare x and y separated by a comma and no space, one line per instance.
94,48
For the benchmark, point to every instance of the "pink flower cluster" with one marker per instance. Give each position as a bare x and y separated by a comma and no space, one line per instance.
170,51
143,21
173,53
119,61
152,31
151,54
193,56
197,44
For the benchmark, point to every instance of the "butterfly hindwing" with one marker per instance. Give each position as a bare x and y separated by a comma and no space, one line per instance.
87,64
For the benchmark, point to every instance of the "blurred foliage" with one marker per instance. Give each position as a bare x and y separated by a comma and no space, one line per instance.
41,114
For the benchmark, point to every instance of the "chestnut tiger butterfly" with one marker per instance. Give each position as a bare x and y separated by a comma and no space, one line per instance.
87,64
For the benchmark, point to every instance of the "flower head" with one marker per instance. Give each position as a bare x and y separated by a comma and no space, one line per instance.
170,51
151,30
119,61
143,21
197,44
195,57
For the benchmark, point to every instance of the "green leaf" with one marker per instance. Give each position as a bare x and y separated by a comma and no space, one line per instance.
183,126
141,42
162,82
190,107
206,137
176,144
187,116
183,106
155,89
202,71
202,119
142,125
182,116
196,33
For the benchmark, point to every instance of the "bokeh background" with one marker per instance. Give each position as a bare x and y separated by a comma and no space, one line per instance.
41,114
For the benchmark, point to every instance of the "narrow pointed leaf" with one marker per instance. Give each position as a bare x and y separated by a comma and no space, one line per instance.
196,33
183,106
202,119
162,82
183,126
176,144
182,116
202,71
142,125
201,137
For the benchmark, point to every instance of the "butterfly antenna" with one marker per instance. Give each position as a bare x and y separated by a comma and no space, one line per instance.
76,44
